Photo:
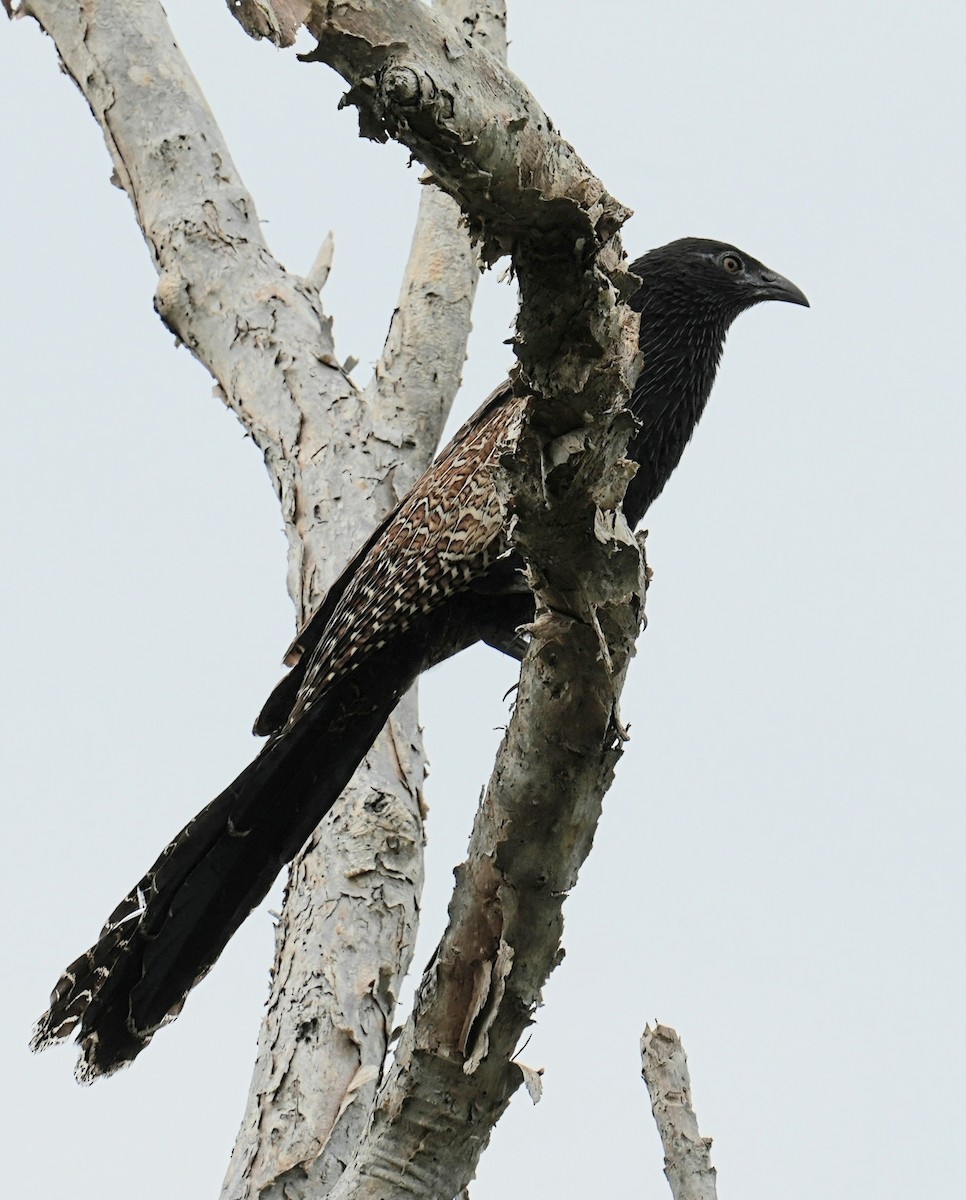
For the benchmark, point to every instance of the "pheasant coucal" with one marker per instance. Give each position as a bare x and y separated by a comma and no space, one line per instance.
435,577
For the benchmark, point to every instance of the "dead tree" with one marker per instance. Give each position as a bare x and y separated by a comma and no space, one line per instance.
500,182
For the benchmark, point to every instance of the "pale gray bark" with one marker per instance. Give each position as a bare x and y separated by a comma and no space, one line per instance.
687,1155
262,333
325,1033
471,121
343,945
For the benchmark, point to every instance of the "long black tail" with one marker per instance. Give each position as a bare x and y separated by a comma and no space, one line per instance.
167,933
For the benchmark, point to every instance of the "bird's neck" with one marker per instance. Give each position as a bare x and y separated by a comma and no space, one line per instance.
680,360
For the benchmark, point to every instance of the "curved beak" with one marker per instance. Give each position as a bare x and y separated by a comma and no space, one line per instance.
773,286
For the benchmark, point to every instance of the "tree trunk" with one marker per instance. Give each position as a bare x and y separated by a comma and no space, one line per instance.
324,1115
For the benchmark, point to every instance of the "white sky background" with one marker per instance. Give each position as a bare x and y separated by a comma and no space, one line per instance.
779,871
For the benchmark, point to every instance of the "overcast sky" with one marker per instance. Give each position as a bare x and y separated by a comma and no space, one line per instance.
779,870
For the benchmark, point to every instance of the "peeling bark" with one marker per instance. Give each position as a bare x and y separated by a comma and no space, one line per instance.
347,931
473,123
453,1073
263,334
315,1076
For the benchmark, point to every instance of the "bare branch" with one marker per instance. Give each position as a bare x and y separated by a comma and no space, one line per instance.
687,1155
263,334
464,115
343,946
532,833
421,365
352,903
259,330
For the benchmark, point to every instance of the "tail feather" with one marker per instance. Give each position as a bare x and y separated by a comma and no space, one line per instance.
167,933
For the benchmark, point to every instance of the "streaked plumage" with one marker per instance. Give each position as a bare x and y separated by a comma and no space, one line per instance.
435,577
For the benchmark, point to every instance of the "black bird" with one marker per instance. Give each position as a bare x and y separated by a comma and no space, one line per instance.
435,577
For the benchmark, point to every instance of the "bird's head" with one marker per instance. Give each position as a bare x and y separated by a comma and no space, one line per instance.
691,290
703,279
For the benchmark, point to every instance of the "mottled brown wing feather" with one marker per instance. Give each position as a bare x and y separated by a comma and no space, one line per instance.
443,536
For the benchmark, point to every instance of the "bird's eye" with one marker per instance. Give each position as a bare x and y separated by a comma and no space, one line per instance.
731,263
